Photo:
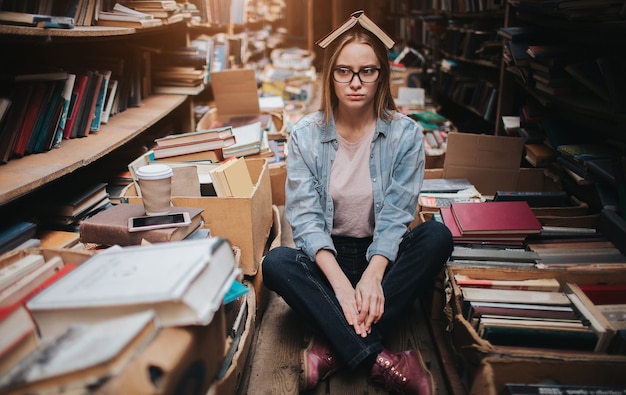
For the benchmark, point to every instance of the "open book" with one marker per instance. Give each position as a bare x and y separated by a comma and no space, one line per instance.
362,19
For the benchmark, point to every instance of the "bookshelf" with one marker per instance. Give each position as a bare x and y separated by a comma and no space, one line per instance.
20,177
591,109
592,34
467,70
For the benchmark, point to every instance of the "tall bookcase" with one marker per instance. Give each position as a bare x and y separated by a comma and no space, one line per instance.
578,55
462,55
21,179
584,35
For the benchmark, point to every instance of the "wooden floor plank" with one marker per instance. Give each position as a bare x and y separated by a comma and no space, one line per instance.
275,365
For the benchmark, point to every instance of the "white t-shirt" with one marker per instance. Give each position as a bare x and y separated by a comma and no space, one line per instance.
351,188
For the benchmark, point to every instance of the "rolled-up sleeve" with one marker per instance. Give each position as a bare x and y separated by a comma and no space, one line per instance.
305,192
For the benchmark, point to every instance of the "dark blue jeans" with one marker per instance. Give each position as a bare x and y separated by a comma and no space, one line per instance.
299,281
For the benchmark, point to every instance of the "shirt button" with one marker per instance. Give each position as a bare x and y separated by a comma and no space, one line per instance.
373,179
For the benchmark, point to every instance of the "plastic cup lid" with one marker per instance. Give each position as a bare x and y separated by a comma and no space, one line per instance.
154,172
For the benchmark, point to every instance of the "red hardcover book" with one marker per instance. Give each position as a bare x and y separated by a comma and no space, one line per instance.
10,129
495,217
605,293
28,123
457,236
450,222
77,96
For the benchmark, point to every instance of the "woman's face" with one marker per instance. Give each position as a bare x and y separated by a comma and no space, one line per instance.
356,90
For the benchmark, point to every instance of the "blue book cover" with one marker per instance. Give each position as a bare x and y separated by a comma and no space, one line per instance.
96,121
67,98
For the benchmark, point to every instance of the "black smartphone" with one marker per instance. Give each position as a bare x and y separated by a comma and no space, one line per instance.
137,224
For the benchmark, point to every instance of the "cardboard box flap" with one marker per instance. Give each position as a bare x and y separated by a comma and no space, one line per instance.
486,180
491,163
235,93
483,151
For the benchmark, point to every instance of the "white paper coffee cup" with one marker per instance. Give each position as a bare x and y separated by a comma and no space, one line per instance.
155,181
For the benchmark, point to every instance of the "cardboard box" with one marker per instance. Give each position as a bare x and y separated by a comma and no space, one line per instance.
470,349
246,222
278,177
274,240
399,79
235,93
180,360
491,163
495,372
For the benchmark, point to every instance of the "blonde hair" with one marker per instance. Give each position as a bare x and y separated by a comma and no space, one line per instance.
384,105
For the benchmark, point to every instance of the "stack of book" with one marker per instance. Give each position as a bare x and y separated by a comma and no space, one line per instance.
23,276
122,16
66,208
200,141
110,227
114,310
39,20
165,10
251,139
232,179
183,182
576,158
180,70
14,234
577,251
496,255
441,192
496,222
533,313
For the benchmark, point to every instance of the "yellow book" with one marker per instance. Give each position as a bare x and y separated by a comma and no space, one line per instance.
238,178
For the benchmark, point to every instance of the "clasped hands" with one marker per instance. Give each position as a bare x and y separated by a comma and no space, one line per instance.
364,304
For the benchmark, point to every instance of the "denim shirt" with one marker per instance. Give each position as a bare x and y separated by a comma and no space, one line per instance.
396,169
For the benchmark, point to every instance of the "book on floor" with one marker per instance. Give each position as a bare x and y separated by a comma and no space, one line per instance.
19,335
184,282
82,357
514,296
25,287
532,284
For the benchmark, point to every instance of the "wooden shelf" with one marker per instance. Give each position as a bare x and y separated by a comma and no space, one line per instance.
80,32
21,176
478,62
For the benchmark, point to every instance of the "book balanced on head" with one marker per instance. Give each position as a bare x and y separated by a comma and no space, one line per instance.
365,22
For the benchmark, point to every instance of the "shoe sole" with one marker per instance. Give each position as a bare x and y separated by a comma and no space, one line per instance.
433,386
302,385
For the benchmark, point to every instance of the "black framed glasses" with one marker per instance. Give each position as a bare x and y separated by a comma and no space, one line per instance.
366,75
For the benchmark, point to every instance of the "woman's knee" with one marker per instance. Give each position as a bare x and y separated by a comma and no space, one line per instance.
275,261
437,233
